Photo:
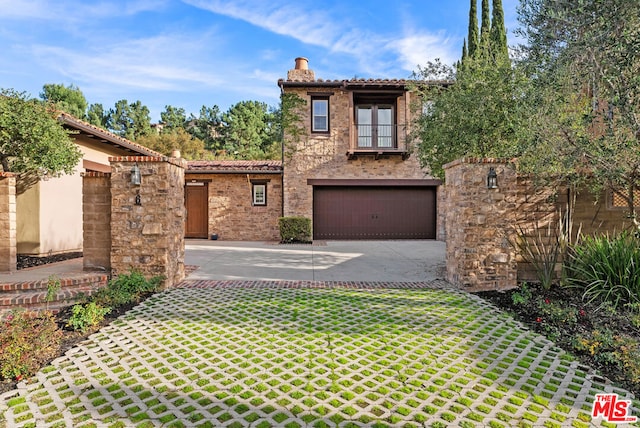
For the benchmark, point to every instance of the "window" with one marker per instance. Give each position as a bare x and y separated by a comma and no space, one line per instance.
619,200
259,193
376,127
320,114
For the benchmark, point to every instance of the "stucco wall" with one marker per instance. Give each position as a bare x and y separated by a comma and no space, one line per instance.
61,214
28,218
231,213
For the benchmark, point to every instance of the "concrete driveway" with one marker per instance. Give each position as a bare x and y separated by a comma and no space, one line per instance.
385,261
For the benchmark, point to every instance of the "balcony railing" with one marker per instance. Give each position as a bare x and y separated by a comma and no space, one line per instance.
378,139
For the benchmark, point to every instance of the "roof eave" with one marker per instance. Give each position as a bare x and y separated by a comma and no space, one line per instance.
234,171
105,135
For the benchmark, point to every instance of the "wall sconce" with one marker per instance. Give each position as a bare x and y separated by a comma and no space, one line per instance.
135,175
492,179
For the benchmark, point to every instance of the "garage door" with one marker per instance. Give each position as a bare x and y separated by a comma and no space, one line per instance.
374,212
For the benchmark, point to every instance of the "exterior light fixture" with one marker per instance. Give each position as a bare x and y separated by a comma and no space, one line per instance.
135,175
492,179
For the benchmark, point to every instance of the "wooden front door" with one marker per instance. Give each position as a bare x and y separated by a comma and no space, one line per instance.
196,201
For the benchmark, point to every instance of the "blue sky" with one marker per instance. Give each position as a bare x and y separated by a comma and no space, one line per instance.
190,53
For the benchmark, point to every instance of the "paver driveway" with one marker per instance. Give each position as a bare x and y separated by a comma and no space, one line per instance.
293,354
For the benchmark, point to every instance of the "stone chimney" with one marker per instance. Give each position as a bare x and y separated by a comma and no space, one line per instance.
301,73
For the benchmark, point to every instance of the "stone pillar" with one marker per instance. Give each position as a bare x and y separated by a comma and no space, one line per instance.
147,220
478,222
8,234
96,218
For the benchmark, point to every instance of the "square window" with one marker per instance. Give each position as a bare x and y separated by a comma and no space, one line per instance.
259,194
320,114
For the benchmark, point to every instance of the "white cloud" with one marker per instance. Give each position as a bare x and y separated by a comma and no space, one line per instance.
73,10
419,48
159,63
23,9
286,18
375,52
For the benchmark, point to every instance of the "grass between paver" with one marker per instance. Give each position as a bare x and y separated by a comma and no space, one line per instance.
268,356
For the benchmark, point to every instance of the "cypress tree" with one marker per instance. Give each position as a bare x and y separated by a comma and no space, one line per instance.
472,49
498,36
461,63
485,29
464,51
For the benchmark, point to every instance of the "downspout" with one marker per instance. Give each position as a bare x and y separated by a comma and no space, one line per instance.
280,83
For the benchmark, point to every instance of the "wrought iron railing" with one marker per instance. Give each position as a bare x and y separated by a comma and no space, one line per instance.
379,138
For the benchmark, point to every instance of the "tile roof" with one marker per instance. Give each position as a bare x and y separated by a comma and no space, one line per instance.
359,82
106,136
237,166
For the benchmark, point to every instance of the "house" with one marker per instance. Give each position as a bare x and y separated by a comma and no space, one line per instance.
49,210
353,171
233,200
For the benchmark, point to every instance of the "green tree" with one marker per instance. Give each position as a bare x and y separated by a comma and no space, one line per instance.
498,35
129,121
206,127
97,116
249,131
191,148
585,63
472,37
69,99
485,29
483,113
31,138
173,118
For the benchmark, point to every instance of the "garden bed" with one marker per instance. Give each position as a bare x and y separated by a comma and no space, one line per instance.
72,337
24,262
600,336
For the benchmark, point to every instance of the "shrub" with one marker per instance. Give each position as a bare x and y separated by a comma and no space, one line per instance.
522,296
126,288
295,229
606,269
545,248
85,316
27,342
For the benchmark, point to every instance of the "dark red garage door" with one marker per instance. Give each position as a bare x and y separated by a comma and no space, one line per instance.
374,212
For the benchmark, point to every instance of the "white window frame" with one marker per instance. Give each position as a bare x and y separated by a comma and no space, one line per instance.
256,193
325,101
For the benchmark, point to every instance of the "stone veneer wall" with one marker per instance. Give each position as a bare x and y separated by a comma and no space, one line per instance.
320,156
148,237
480,222
479,256
231,213
8,234
96,218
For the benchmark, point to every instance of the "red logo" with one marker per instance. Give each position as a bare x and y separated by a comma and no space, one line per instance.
611,409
